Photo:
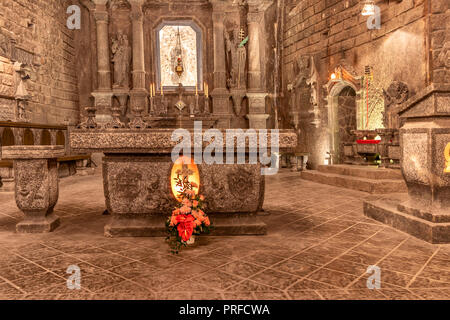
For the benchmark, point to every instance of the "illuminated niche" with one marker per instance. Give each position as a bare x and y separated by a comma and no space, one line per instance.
187,171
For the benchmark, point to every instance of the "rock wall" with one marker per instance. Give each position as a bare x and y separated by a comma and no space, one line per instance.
332,30
34,32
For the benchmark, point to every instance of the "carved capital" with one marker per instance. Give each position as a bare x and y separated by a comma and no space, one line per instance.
255,17
136,16
218,17
101,16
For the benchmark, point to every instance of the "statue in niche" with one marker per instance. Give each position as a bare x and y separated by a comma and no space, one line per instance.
236,56
305,75
121,51
396,94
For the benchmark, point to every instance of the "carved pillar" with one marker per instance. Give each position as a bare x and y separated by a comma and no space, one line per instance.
220,94
103,65
103,94
256,89
139,92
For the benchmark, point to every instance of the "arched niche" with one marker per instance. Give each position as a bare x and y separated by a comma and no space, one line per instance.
192,44
342,80
46,138
28,137
60,138
7,138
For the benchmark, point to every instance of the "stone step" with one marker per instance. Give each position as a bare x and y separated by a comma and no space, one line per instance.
356,183
386,211
369,172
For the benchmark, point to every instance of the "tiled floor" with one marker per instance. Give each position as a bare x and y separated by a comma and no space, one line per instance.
319,246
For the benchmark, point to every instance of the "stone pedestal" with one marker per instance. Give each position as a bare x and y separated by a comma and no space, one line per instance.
220,99
257,116
36,187
103,104
425,213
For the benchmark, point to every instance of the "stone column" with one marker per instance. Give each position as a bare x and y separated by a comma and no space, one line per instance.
220,94
103,94
36,185
256,89
139,92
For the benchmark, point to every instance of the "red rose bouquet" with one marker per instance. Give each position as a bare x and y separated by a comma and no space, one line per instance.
188,218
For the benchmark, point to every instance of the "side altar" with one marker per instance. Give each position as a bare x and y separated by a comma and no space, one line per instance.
138,173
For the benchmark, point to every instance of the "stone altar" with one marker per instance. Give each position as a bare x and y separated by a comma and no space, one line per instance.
137,182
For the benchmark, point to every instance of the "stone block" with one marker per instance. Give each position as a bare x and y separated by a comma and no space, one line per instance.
36,185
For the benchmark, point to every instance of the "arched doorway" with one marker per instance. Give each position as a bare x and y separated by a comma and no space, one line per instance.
342,117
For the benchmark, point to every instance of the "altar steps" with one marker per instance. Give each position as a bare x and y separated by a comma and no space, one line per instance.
363,178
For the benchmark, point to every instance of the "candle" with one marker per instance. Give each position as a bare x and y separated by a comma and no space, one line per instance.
151,90
207,89
196,89
154,89
162,89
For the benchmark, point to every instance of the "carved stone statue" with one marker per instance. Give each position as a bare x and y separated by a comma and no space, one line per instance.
236,56
305,75
121,51
396,94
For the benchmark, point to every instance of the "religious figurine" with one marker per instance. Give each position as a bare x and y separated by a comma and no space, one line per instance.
121,51
206,109
21,106
164,106
236,55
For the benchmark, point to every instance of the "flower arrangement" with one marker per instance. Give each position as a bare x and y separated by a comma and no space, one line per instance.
188,218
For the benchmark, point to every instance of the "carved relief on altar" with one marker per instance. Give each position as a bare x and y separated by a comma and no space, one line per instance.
394,96
236,186
31,192
138,187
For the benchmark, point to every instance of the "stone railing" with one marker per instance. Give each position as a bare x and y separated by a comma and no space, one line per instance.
29,134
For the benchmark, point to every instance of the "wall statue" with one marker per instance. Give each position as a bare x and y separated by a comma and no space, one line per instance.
121,59
396,94
236,60
305,75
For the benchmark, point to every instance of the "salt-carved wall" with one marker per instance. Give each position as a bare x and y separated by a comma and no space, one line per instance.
35,33
331,30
